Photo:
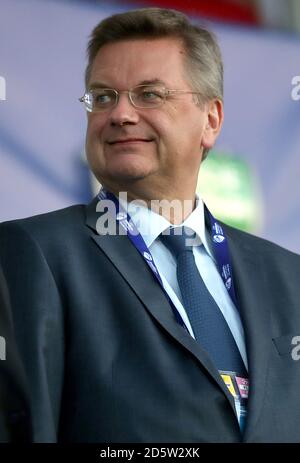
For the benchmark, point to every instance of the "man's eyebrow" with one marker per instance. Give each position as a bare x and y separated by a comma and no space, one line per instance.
95,85
152,81
98,85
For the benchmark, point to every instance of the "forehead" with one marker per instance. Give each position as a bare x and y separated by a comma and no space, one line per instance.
130,62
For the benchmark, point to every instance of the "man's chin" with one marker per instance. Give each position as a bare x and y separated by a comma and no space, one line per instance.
129,173
128,177
122,179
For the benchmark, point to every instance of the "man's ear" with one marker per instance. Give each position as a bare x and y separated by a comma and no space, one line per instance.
215,116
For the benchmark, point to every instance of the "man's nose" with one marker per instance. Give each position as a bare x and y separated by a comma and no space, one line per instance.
124,112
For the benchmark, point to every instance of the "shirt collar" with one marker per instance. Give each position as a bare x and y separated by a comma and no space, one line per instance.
151,224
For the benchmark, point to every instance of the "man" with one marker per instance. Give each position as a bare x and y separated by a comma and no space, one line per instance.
15,423
125,337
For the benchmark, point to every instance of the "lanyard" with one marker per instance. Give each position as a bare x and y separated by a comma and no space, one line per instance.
222,255
219,240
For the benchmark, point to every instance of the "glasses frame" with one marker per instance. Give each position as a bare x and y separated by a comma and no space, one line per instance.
167,92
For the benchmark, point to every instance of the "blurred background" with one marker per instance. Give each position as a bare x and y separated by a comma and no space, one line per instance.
252,177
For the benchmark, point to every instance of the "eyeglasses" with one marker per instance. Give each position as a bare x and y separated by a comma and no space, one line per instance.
141,96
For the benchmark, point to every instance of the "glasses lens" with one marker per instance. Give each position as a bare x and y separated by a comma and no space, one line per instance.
148,96
101,99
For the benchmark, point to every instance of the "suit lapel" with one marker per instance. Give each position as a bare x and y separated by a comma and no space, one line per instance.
252,294
131,265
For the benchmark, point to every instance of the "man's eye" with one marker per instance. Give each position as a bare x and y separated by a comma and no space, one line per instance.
103,98
151,95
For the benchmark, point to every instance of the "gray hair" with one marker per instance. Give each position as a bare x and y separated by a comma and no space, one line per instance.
204,67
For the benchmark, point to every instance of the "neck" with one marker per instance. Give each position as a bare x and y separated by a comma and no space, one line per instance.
174,207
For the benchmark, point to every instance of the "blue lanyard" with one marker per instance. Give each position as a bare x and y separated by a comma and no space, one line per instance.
222,256
219,240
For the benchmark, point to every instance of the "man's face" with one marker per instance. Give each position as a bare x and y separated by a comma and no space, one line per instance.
158,146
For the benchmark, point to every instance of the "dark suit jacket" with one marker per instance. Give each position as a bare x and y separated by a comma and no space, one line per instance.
105,357
15,424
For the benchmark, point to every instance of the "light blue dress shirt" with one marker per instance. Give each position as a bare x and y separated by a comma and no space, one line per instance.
150,225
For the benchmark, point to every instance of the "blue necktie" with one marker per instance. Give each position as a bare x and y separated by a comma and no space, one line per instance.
209,325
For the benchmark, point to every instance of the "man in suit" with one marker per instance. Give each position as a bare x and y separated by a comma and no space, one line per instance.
15,425
107,312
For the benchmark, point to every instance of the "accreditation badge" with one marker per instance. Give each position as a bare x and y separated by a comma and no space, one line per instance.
239,389
228,380
243,386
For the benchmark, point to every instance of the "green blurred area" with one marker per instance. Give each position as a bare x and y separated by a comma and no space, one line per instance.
230,190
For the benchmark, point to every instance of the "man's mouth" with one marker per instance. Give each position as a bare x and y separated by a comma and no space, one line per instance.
124,141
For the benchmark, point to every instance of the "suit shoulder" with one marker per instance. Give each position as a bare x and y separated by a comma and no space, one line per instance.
51,237
46,223
258,244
